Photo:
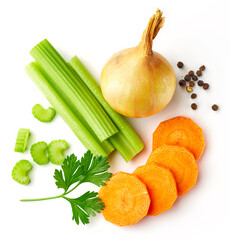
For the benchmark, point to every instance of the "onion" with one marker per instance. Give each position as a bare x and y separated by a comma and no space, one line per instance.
138,82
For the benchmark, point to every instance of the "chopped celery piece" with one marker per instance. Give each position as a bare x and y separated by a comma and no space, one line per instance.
20,172
57,68
43,115
56,151
39,154
22,139
126,141
44,83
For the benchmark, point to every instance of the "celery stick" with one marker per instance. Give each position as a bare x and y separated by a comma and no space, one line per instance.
39,77
106,144
57,68
126,141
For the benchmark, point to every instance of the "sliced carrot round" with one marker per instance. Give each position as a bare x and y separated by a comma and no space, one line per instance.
161,186
126,199
180,161
180,131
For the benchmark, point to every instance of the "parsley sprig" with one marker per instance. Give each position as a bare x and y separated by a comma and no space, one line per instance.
73,172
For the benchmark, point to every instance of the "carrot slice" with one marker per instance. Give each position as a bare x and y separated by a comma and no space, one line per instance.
126,199
161,186
180,161
180,131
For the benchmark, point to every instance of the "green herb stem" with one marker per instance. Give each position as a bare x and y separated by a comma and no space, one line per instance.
73,188
41,199
48,198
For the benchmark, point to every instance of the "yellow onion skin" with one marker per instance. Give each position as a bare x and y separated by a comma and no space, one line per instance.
137,84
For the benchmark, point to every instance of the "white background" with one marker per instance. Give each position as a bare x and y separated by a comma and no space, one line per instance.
196,32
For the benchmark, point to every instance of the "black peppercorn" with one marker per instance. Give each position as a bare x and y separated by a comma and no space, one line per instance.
202,68
191,73
200,83
199,73
182,83
193,106
215,107
187,78
205,86
191,84
193,96
180,64
194,78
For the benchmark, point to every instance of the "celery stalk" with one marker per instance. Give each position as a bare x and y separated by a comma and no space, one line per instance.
51,92
126,141
106,144
57,68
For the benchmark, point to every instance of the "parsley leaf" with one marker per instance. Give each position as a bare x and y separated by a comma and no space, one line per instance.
95,169
91,169
85,206
72,172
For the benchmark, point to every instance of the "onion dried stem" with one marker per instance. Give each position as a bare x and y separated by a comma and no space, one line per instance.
156,22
